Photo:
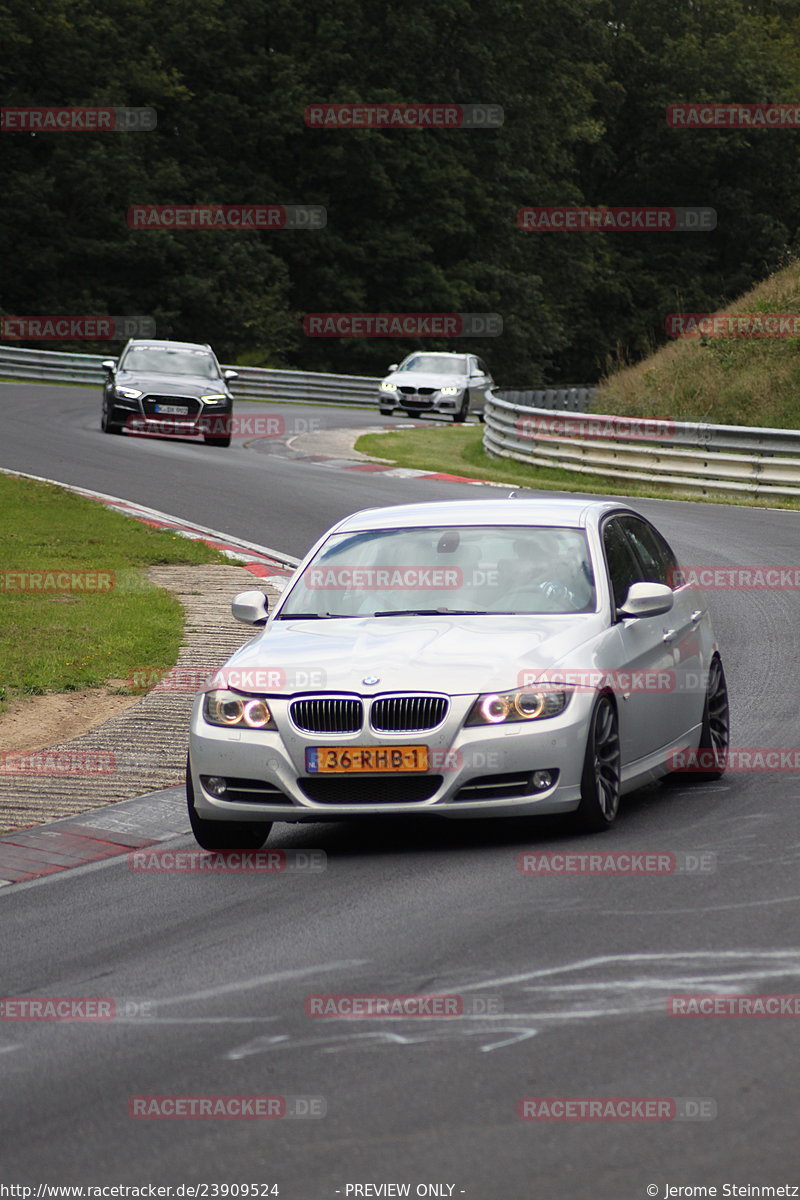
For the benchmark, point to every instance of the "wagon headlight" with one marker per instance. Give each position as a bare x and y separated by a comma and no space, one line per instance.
450,391
388,387
232,710
523,704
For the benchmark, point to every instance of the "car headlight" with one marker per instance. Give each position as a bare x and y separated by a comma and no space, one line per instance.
231,710
388,387
450,391
523,704
215,396
128,393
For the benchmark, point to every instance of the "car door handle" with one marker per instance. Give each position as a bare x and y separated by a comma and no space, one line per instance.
669,635
696,615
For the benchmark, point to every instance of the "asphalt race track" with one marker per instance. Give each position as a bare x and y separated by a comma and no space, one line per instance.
572,974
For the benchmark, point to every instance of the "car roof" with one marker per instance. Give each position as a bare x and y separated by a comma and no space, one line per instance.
514,510
166,344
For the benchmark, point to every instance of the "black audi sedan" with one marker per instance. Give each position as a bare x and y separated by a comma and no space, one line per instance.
175,389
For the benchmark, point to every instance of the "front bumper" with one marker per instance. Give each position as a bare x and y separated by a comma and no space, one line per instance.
446,405
495,765
203,418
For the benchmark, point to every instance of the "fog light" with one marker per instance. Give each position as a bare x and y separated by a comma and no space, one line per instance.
542,780
217,786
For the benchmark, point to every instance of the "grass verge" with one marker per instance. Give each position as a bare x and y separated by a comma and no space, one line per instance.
722,380
458,450
65,640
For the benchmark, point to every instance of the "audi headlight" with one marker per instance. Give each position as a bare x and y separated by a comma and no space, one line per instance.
388,387
523,704
450,391
215,397
231,710
128,393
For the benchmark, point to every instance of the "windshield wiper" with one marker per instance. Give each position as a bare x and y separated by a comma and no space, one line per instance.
310,616
432,612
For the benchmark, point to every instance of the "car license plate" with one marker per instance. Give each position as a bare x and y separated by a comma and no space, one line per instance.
341,760
174,410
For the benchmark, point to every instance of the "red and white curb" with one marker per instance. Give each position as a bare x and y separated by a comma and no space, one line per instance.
271,565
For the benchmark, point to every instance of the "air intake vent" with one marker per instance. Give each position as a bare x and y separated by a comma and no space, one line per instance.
375,789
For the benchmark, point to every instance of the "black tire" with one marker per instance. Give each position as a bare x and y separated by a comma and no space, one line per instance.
106,423
220,424
224,835
460,417
600,781
715,730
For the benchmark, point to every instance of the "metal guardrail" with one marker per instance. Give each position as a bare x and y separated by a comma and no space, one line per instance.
254,383
681,456
260,383
573,399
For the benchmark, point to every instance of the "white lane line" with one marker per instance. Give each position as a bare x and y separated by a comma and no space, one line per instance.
260,980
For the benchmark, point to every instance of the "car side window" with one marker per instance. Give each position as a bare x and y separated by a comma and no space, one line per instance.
623,568
657,559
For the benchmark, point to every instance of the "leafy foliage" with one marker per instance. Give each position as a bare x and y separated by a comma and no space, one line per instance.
417,220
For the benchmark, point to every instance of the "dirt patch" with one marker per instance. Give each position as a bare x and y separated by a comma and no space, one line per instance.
37,722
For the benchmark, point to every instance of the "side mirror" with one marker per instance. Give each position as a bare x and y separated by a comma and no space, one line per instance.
108,364
394,366
646,600
250,608
230,374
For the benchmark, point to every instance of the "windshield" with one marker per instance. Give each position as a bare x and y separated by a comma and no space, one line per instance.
157,360
482,569
436,364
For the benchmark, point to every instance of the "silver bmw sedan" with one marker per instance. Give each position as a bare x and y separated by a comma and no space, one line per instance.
488,658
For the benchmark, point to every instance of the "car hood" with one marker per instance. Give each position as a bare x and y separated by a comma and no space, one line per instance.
171,385
418,379
457,655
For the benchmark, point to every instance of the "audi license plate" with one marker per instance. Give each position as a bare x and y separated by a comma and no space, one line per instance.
174,410
341,760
